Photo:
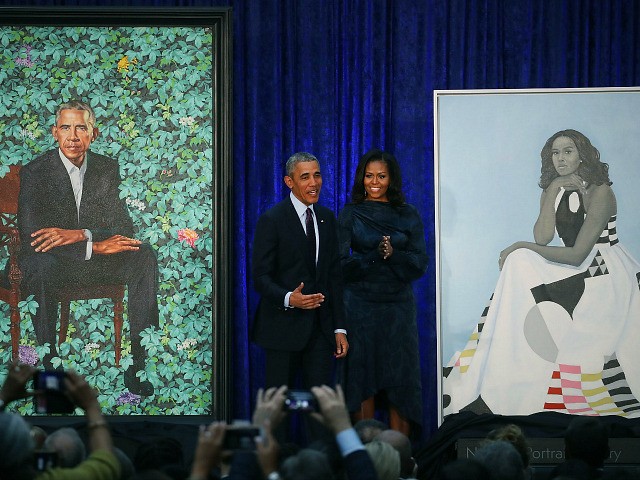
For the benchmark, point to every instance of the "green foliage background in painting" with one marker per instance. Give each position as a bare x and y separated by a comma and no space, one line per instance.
151,89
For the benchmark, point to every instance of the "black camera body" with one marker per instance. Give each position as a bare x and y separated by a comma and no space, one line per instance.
240,437
300,401
50,396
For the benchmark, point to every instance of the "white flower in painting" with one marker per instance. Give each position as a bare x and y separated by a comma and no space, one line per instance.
187,121
135,203
187,344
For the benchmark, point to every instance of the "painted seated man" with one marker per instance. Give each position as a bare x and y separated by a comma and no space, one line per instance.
75,229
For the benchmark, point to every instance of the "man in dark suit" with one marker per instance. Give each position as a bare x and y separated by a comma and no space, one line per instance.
296,269
75,229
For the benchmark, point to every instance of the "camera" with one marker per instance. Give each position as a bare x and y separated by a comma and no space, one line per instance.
240,438
300,401
50,396
45,459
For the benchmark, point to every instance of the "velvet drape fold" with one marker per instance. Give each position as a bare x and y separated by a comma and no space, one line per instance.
337,77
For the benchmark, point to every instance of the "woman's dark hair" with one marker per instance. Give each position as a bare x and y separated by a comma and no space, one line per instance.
587,439
592,170
394,192
513,434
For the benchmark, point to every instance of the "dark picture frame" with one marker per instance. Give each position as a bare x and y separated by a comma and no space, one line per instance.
217,22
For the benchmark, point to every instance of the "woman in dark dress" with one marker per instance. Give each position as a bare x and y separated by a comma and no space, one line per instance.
382,249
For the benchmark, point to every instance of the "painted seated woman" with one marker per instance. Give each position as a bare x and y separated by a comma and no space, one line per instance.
559,333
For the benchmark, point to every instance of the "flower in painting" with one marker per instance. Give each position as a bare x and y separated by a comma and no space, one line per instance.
124,63
26,133
187,121
187,344
135,203
26,62
128,398
90,347
28,355
189,235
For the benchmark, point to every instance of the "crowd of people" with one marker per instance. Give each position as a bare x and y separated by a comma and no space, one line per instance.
365,450
30,453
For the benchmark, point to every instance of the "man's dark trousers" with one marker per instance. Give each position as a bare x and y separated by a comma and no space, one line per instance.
46,272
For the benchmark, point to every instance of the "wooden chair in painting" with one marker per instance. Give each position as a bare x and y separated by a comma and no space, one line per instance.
10,284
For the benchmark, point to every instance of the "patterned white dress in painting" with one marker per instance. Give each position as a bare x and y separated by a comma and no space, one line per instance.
555,337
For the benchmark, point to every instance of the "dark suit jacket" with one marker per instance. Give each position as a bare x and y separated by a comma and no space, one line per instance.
279,265
46,200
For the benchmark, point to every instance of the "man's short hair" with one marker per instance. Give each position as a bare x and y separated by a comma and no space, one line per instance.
307,464
502,459
368,428
77,105
296,158
587,439
464,469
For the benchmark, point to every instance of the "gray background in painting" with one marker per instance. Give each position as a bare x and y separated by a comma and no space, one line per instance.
489,168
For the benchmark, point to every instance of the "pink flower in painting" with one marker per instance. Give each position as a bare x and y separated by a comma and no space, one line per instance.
189,235
26,62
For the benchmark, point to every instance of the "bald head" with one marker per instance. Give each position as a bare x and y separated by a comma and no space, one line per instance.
68,445
402,444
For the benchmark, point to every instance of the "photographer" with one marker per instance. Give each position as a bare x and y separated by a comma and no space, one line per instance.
335,416
211,449
264,463
101,463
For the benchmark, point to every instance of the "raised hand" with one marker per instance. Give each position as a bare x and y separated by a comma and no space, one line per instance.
384,247
208,450
269,405
571,182
14,387
333,409
300,300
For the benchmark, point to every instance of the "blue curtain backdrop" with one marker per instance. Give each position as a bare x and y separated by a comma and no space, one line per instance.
337,77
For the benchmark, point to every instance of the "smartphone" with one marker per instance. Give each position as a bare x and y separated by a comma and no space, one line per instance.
50,396
45,459
240,438
300,401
